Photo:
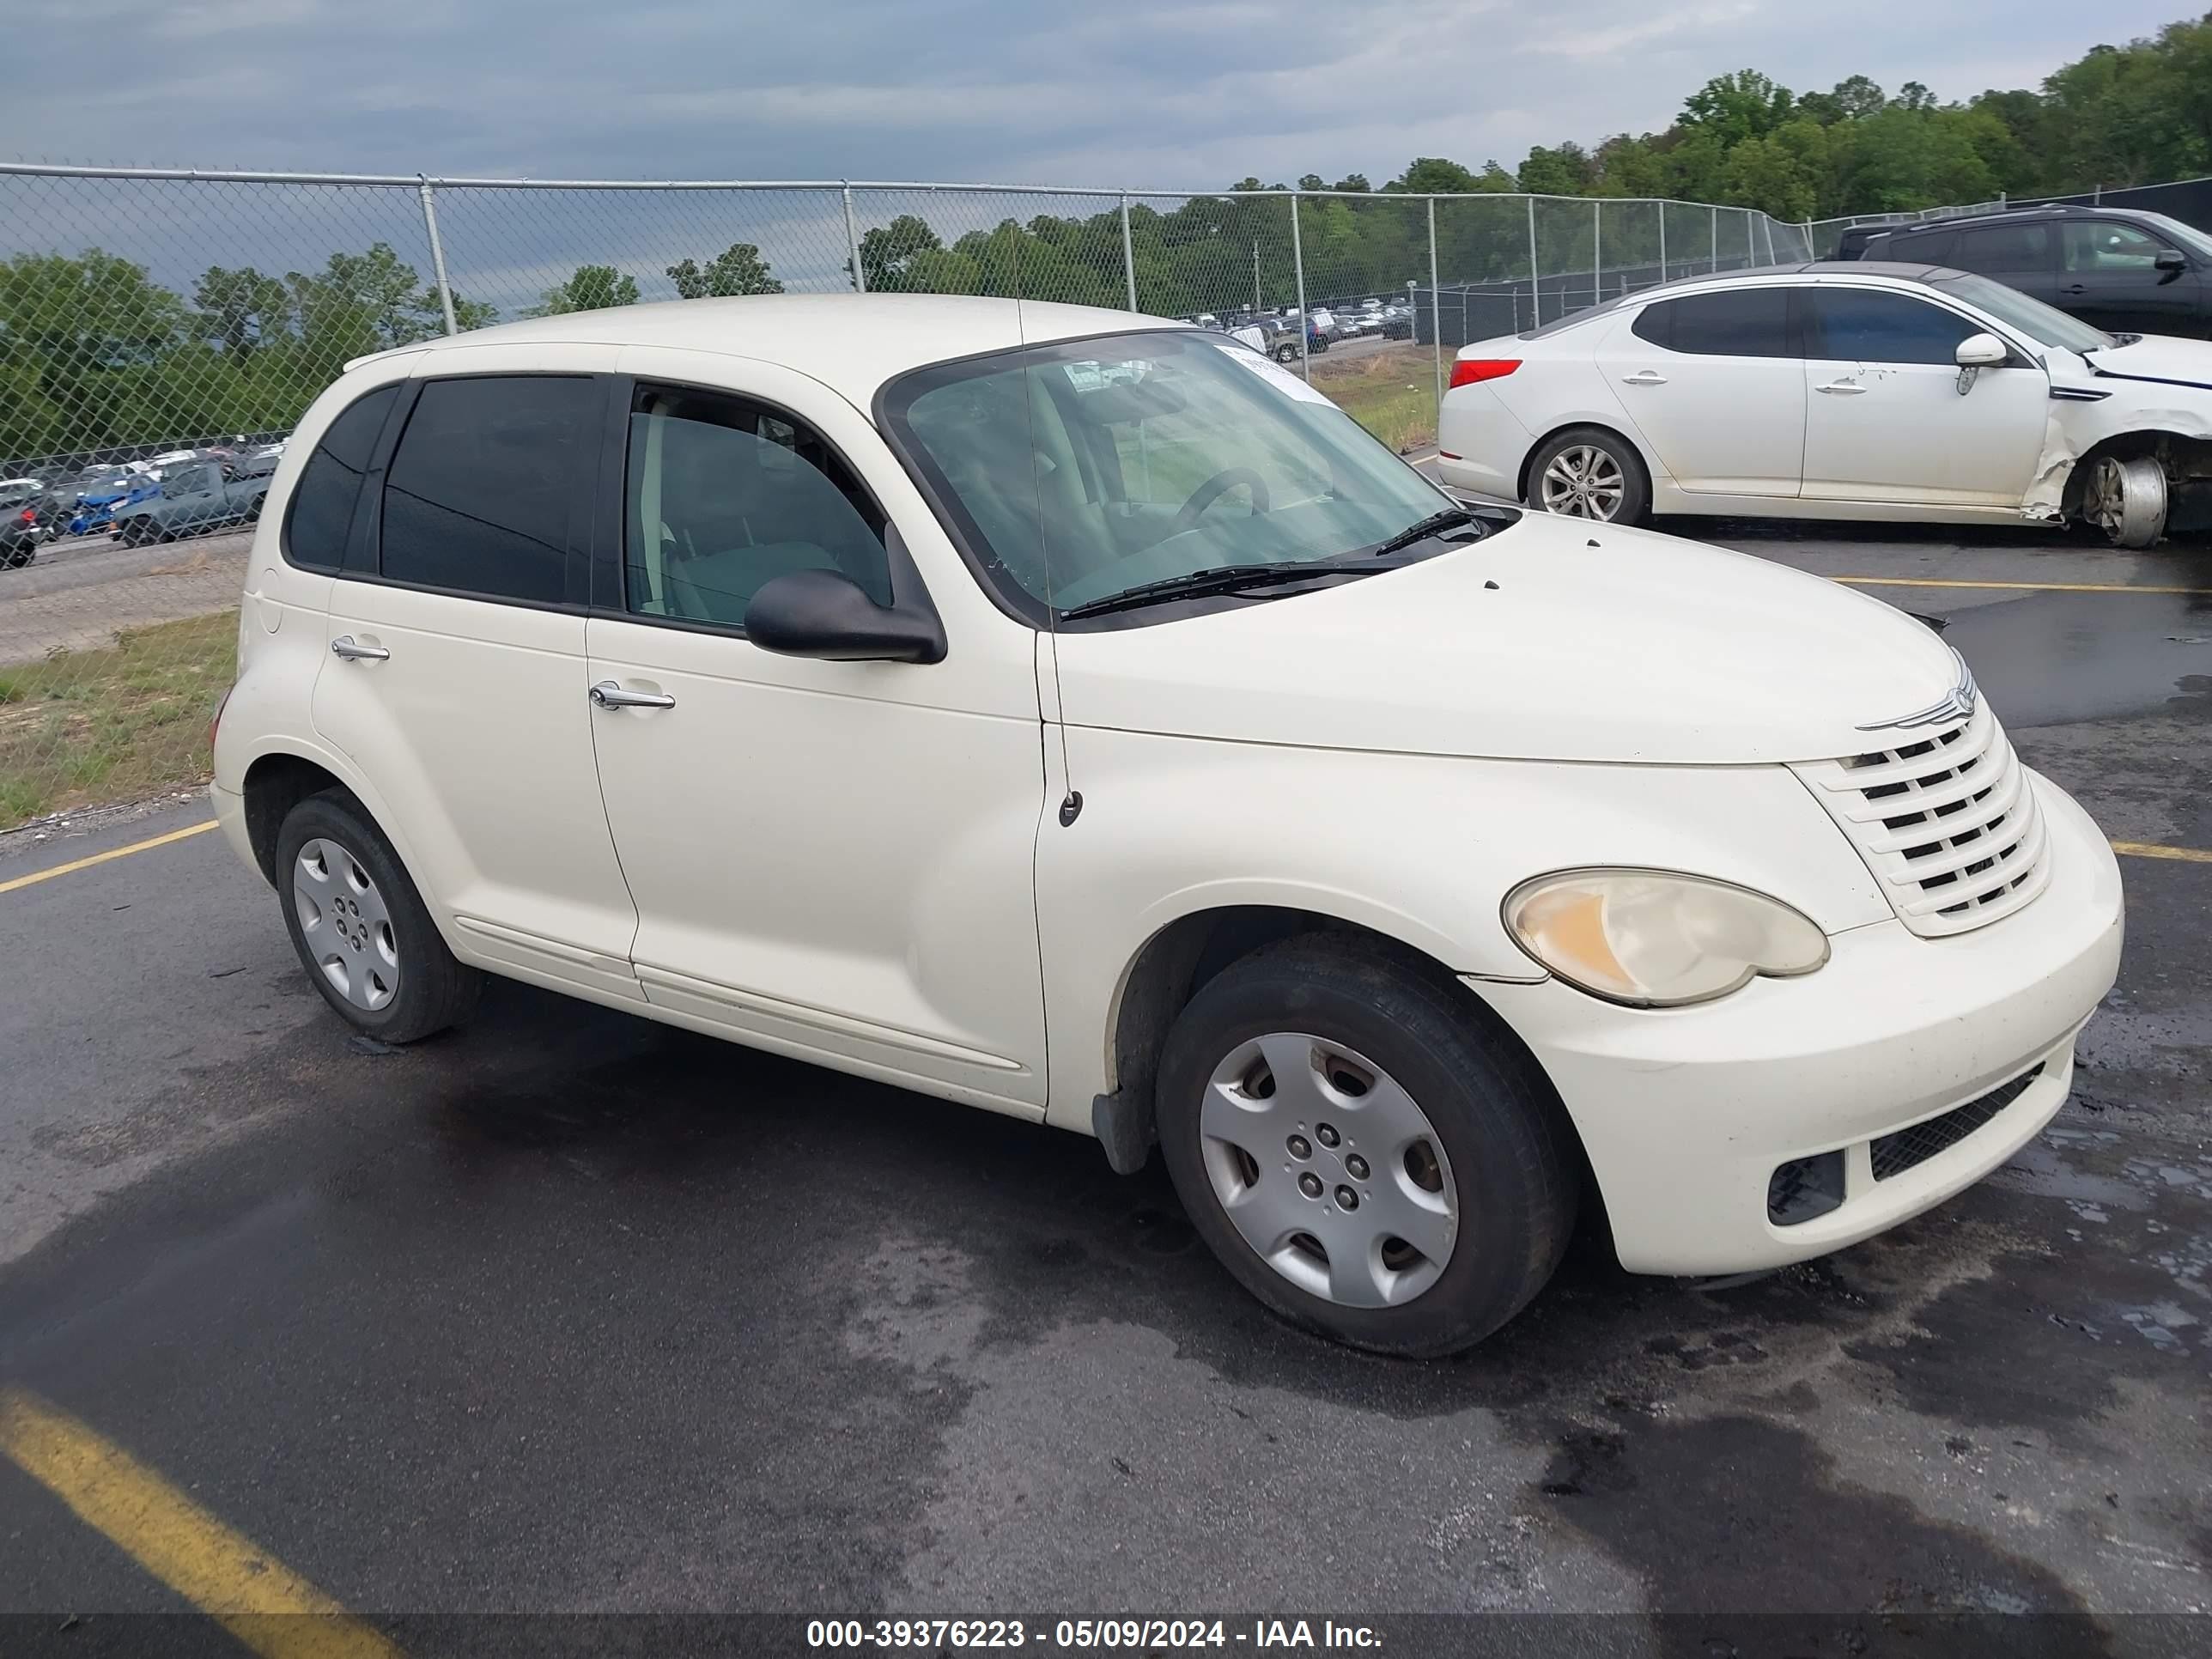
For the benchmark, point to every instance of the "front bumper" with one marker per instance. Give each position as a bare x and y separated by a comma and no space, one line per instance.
1685,1113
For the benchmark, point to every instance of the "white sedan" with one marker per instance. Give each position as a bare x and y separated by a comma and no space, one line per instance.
1838,391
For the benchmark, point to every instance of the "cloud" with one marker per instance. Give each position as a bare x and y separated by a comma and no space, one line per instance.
1602,43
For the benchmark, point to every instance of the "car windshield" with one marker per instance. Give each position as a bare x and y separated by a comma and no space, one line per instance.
2187,235
1081,469
2040,322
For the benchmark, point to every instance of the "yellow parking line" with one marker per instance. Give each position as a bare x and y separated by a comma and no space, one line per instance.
2143,849
37,876
256,1598
2024,587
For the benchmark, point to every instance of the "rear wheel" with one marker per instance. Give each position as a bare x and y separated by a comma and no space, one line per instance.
2126,500
1361,1154
1590,473
362,929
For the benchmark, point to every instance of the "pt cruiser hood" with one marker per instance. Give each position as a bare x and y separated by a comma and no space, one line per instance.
1554,639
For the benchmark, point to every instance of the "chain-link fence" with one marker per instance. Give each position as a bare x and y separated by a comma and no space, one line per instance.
161,331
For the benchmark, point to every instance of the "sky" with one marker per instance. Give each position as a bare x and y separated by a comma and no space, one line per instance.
1192,95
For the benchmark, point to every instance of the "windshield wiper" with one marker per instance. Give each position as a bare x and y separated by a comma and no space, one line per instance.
1435,525
1223,579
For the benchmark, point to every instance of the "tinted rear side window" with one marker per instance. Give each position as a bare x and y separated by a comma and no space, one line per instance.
322,503
2003,247
1861,325
477,498
1743,322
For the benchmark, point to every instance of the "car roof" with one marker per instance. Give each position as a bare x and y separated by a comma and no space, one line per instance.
853,342
2014,216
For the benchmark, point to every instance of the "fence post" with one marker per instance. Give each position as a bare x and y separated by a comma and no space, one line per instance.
1535,294
1298,264
1436,306
852,241
1662,242
1597,253
1128,252
1717,241
438,257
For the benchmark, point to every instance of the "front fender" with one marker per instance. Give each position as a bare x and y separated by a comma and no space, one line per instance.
1418,848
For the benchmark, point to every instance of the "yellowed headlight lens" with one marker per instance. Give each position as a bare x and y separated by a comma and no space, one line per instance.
1656,938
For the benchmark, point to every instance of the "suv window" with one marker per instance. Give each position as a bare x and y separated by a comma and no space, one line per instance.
1863,324
321,512
726,495
477,498
2004,247
1933,247
1743,322
2106,245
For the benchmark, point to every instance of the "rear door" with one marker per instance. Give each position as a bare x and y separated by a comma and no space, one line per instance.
2109,278
1885,420
457,678
2024,255
1714,386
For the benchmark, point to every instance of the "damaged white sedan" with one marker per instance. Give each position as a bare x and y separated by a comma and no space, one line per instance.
1838,391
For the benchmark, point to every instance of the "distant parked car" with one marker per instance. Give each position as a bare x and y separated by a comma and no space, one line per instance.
2117,269
20,533
1399,326
194,498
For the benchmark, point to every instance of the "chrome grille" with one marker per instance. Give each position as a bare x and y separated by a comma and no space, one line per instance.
1947,823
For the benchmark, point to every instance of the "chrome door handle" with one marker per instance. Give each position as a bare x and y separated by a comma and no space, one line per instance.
607,694
347,649
1645,377
1841,388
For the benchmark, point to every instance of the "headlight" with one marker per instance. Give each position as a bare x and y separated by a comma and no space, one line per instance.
1654,940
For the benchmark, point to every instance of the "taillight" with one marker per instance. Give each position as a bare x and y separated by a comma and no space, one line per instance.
216,720
1468,370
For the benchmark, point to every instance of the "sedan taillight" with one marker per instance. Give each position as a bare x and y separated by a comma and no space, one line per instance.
1467,371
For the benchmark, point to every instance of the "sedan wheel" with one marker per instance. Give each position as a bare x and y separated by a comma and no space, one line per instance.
1329,1171
1583,482
2126,500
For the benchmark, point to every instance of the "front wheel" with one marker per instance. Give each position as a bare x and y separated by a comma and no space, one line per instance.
2126,500
1590,473
362,929
1286,353
1359,1152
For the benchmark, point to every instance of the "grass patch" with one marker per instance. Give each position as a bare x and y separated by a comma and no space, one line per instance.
1392,393
117,723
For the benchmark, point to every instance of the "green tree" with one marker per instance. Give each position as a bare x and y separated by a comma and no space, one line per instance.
738,268
888,251
589,288
1739,107
241,309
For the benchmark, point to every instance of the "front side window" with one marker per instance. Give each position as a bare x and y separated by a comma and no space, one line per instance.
321,512
2107,244
1863,324
725,496
2004,247
1735,322
1083,469
478,495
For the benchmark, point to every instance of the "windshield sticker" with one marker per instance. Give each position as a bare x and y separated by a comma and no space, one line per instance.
1282,379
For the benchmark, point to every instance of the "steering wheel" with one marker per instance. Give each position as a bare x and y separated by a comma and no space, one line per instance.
1209,492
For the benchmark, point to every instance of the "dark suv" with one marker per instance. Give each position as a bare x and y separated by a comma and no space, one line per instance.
2117,269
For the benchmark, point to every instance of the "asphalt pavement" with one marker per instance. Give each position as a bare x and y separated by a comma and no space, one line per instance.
567,1312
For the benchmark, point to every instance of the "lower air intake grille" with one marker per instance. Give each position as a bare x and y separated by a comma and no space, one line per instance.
1894,1154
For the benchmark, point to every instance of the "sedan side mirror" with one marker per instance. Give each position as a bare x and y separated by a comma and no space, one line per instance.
826,615
2169,264
1976,353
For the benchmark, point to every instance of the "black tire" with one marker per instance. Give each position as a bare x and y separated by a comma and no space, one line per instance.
1286,353
435,990
1636,492
1514,1171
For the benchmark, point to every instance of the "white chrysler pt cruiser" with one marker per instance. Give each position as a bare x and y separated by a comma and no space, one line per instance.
1070,713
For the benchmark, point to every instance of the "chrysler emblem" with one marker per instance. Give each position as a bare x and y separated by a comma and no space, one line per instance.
1958,704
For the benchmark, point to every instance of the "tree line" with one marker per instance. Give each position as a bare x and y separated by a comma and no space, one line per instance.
94,353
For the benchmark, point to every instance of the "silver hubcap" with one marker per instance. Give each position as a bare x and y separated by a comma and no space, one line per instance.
347,930
1584,483
1328,1170
2126,500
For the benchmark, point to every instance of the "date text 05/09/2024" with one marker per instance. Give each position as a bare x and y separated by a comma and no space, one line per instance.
1092,1635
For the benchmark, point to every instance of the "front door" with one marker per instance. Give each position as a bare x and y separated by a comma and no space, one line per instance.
2109,277
1713,383
454,674
831,860
1885,421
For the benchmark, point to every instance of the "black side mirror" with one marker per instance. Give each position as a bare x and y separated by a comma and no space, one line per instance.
2169,264
828,615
